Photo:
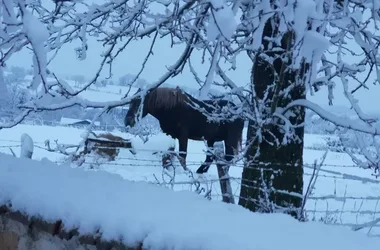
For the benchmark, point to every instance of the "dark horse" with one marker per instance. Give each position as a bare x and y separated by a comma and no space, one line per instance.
180,117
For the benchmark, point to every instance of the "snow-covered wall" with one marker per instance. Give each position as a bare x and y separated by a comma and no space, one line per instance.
21,235
106,206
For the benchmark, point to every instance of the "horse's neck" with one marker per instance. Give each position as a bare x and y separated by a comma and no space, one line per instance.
157,112
168,121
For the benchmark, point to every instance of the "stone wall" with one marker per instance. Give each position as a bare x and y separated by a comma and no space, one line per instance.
21,232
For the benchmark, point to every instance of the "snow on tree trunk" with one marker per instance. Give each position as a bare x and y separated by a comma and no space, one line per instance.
272,179
27,146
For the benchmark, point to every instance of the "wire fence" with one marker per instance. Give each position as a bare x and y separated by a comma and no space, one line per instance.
78,124
332,206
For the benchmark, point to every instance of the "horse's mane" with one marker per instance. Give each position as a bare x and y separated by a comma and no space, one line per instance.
166,98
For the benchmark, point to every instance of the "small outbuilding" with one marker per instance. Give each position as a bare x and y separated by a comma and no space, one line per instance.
76,122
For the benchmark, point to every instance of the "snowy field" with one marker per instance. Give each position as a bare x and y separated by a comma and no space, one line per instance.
344,194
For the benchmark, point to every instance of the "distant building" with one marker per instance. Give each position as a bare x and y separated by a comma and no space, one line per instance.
76,122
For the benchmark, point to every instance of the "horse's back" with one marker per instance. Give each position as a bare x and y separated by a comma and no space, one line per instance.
215,124
198,123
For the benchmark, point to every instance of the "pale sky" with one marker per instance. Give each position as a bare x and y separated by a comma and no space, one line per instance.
129,62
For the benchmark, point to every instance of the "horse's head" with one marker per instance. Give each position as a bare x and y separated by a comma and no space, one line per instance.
130,118
134,105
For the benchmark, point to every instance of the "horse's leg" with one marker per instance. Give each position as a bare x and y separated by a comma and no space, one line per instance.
229,153
182,141
209,159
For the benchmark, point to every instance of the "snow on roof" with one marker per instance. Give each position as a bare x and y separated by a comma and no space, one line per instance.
69,121
138,212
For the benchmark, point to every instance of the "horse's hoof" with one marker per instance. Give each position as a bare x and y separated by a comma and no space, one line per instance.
202,170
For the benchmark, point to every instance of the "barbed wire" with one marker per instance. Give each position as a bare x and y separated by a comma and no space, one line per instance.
167,152
326,173
338,211
253,166
239,180
323,213
10,146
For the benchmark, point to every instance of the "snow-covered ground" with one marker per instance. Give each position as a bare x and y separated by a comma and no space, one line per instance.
341,194
137,212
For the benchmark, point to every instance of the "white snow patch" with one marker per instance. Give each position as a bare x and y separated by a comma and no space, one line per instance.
3,87
222,21
27,146
265,11
314,44
303,10
205,89
37,34
158,217
34,29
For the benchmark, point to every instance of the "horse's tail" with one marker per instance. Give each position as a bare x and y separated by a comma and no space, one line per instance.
239,145
240,141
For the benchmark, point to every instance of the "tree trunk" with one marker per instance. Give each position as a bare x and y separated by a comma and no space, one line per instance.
273,170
